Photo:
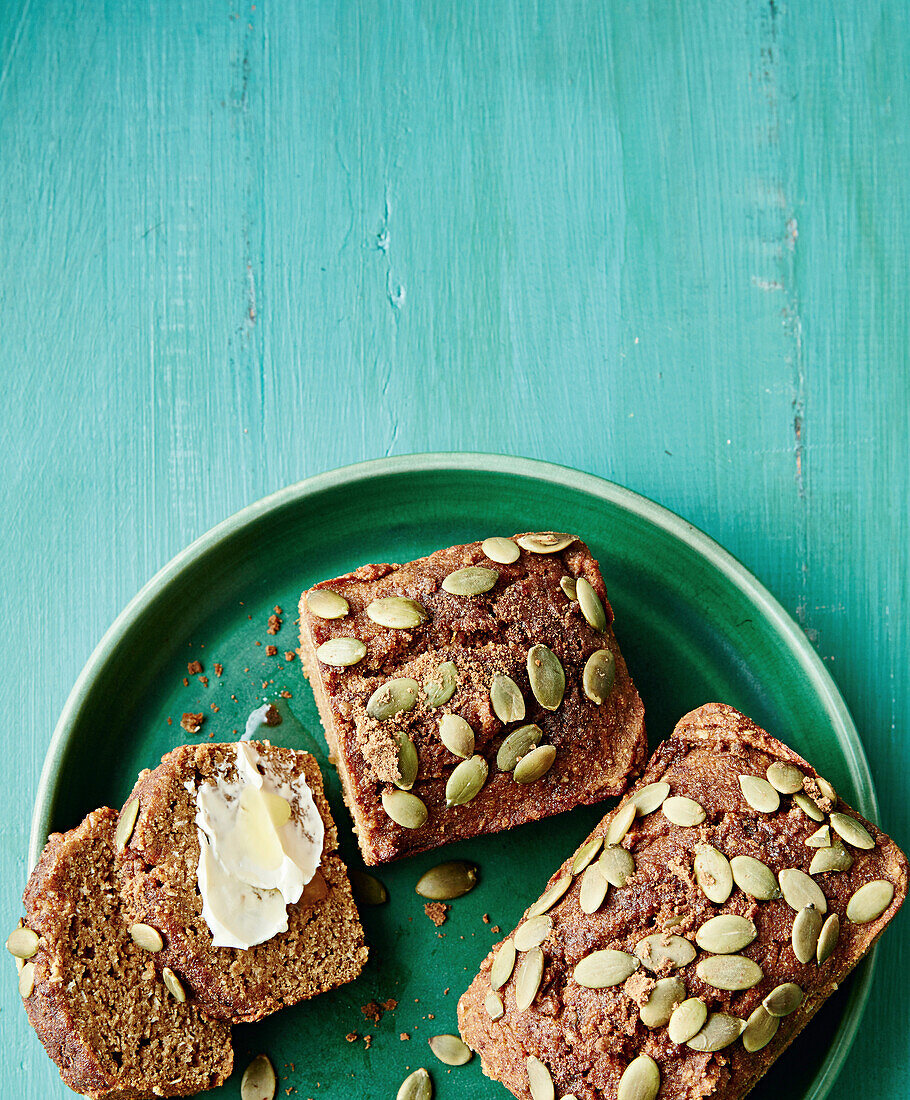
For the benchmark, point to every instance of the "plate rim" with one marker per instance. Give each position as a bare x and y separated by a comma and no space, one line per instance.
489,462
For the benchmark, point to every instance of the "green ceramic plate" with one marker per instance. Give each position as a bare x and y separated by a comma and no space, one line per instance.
694,626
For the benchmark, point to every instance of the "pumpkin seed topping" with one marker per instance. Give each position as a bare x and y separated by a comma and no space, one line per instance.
850,830
22,943
662,1000
719,1031
593,889
725,934
506,699
809,806
407,761
687,1020
440,687
466,780
827,789
532,932
551,896
827,939
397,612
621,823
590,604
416,1086
548,679
27,980
528,978
502,551
786,778
450,1050
821,838
712,873
759,794
535,764
456,735
395,696
760,1029
649,798
599,676
617,865
259,1081
683,811
494,1006
586,853
404,808
806,928
800,890
146,937
125,824
326,604
870,901
473,580
173,985
835,858
784,999
754,878
448,880
731,972
503,964
545,542
569,588
540,1083
602,969
640,1080
341,652
518,744
660,949
368,890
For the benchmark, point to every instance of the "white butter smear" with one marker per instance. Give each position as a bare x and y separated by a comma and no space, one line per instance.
254,859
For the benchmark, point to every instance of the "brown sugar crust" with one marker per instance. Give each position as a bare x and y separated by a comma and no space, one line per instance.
98,1005
598,747
587,1037
323,946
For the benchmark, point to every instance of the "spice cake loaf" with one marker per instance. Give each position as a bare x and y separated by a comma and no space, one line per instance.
229,853
93,994
471,691
694,934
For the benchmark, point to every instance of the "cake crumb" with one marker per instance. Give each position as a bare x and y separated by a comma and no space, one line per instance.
486,918
194,668
404,1036
274,625
186,682
271,650
204,680
495,929
367,1042
170,721
285,694
352,1037
192,723
219,668
437,911
289,655
277,610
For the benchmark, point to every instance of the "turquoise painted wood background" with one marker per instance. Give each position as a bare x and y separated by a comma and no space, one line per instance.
663,242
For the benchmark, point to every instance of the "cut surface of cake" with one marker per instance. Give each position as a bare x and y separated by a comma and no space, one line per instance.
471,691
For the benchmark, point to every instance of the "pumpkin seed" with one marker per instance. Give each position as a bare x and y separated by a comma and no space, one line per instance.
173,985
687,1020
806,928
466,780
809,806
617,865
367,889
528,978
785,778
827,789
518,744
440,687
540,1083
259,1081
620,823
404,808
535,765
473,580
599,676
590,604
416,1086
725,934
649,798
760,1029
719,1031
640,1080
532,932
494,1006
393,697
448,880
326,604
784,999
548,680
662,1000
602,969
870,901
754,878
456,735
827,939
503,964
550,896
835,858
506,699
407,762
125,824
799,890
22,943
731,972
593,889
850,830
683,811
657,950
146,937
712,873
821,838
397,612
586,853
759,794
545,542
502,551
341,652
27,979
567,584
450,1050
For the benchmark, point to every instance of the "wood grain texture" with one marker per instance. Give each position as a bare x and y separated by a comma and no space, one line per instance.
665,243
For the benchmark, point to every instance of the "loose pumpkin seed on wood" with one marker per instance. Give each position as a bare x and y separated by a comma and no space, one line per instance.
22,943
799,890
760,1029
719,1031
640,1080
754,878
729,972
620,823
501,550
404,808
173,985
545,542
341,652
660,948
590,604
809,806
27,980
687,1020
535,764
259,1081
617,865
570,590
540,1082
548,679
683,811
473,580
532,932
713,873
786,778
397,612
466,780
870,901
759,793
662,1000
326,604
784,999
599,676
551,895
821,838
725,934
367,889
450,1050
494,1006
146,937
602,969
593,889
827,939
416,1086
396,696
586,853
518,744
506,699
806,928
447,881
456,735
528,977
649,798
407,762
834,858
125,824
850,830
440,687
503,964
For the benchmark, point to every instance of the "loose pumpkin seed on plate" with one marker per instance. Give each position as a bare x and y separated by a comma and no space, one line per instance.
809,806
127,822
870,901
617,864
456,735
640,1080
719,1031
784,999
326,604
850,830
754,878
586,853
687,1020
590,604
416,1086
397,612
660,948
799,890
528,977
548,679
532,932
506,699
620,823
22,943
535,764
602,969
593,889
827,939
834,858
759,793
545,542
449,880
367,889
259,1081
404,808
501,550
540,1082
599,676
440,686
407,761
396,696
569,588
649,798
683,811
662,1000
341,652
450,1050
503,964
760,1029
473,580
466,781
725,934
729,972
821,838
786,778
551,895
713,873
518,744
494,1006
807,924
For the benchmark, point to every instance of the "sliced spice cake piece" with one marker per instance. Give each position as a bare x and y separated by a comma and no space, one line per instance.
470,691
229,854
93,994
695,932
